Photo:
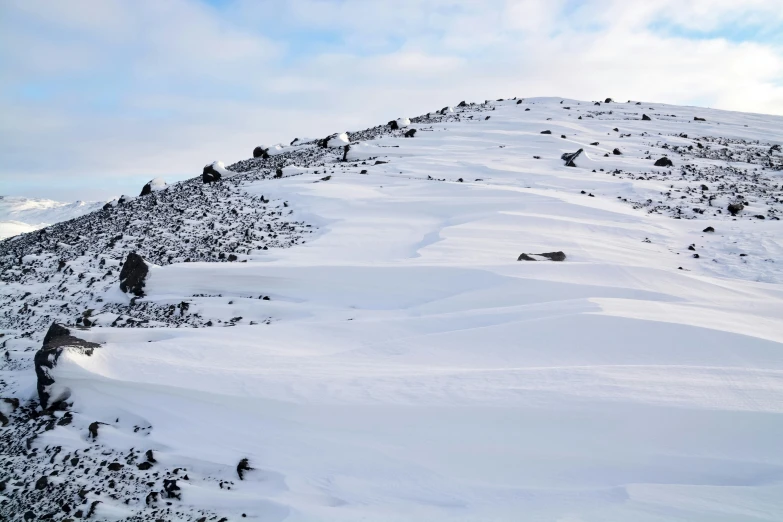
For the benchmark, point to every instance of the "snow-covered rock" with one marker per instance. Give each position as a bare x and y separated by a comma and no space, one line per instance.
215,171
338,140
153,185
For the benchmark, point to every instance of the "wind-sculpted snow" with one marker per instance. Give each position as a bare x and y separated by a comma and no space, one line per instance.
465,322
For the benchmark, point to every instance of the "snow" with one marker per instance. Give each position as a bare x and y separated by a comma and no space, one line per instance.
19,215
403,122
157,184
413,369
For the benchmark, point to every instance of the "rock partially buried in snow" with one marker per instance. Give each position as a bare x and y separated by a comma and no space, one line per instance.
552,256
409,133
570,157
57,339
153,185
735,208
646,118
664,162
134,274
262,152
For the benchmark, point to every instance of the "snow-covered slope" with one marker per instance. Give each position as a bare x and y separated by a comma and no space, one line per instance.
19,215
363,333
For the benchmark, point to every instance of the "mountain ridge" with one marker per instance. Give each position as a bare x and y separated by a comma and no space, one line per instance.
364,327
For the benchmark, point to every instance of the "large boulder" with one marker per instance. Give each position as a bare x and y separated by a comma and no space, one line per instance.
262,152
153,185
570,157
58,338
664,162
215,171
133,275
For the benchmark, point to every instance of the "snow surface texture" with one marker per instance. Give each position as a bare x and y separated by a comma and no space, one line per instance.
376,351
19,215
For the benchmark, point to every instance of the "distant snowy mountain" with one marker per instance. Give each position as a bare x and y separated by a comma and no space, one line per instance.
536,309
19,215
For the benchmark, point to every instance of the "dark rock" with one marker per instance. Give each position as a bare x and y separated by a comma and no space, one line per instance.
519,101
664,162
42,482
146,189
150,456
554,256
144,466
570,157
409,133
546,132
260,152
242,467
759,216
462,104
735,208
393,125
133,274
704,187
595,144
646,118
696,256
608,100
708,229
57,339
616,152
696,118
171,489
115,466
363,171
774,148
210,175
346,148
278,173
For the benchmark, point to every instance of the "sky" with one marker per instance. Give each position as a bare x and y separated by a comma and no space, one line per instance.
97,97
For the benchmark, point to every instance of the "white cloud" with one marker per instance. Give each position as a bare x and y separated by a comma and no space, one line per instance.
191,83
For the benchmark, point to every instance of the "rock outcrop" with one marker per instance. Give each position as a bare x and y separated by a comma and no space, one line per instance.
570,157
134,274
58,338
